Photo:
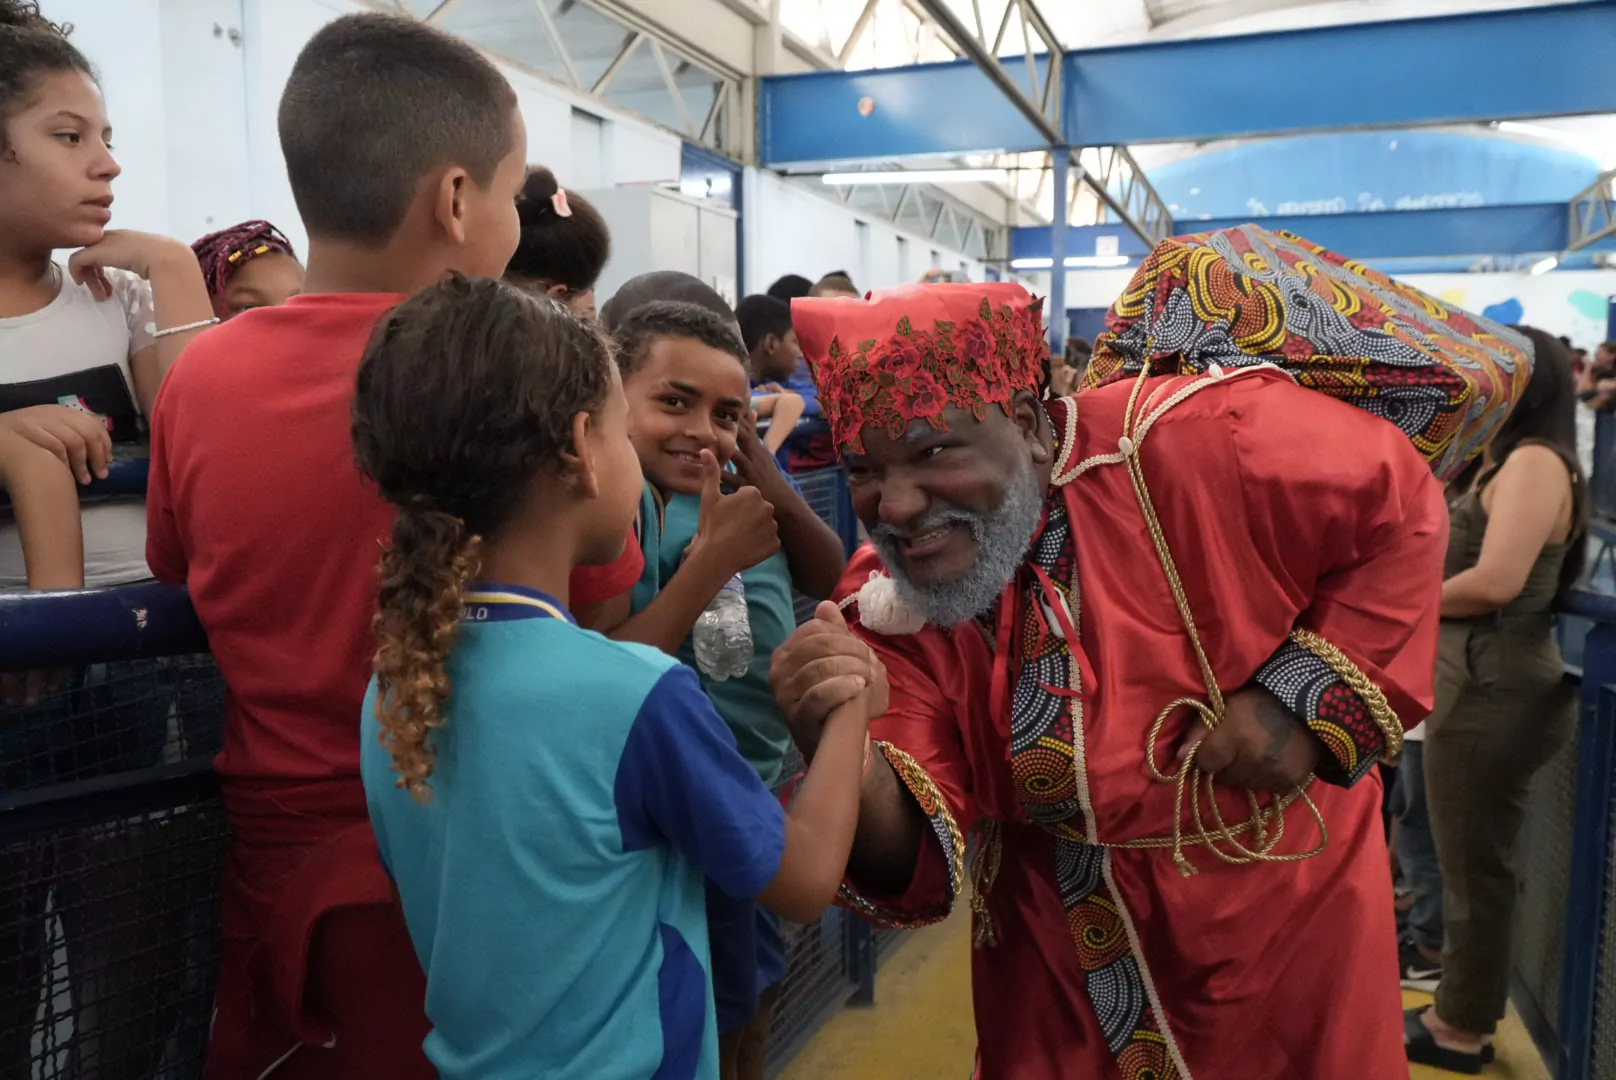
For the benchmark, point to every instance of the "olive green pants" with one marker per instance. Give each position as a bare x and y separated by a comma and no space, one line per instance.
1504,709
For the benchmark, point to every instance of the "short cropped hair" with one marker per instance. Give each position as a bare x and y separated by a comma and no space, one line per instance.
375,103
671,318
837,282
663,285
791,287
761,316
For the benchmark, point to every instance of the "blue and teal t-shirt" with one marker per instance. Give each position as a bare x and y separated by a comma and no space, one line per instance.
747,704
553,884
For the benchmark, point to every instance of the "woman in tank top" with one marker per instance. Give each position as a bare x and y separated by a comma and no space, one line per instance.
1504,706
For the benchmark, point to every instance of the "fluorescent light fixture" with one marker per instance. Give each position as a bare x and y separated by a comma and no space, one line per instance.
1073,262
918,176
1543,266
1539,131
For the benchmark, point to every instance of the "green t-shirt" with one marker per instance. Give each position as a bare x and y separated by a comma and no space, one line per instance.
746,704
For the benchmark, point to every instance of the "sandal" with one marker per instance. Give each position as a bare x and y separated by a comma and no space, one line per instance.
1423,1049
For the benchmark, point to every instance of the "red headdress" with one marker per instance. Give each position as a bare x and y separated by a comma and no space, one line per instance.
907,354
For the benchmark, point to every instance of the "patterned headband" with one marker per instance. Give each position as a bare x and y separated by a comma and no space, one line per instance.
909,353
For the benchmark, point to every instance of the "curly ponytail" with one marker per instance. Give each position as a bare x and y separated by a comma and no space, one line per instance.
468,390
423,580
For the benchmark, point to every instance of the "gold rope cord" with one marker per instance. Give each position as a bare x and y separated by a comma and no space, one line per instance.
1211,713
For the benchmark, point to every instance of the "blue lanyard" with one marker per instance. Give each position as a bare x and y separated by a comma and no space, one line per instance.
484,603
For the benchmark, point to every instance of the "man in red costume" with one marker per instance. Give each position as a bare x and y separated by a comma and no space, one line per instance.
1066,596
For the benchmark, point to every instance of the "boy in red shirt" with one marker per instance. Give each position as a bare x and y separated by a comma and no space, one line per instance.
406,152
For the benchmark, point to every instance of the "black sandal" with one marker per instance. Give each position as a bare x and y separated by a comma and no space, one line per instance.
1423,1049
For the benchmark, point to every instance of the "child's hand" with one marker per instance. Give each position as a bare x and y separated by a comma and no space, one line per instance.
122,249
78,439
755,467
823,667
736,530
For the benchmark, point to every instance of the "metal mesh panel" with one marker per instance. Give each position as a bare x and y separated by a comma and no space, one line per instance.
111,844
1603,1056
1544,857
887,942
108,943
819,490
817,984
113,718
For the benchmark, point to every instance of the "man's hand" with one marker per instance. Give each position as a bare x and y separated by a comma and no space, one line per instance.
823,667
1260,744
78,439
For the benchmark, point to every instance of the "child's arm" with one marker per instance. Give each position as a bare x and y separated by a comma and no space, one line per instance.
763,404
812,547
788,409
45,503
681,778
734,533
179,298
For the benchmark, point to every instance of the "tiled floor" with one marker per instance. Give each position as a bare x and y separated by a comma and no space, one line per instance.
920,1027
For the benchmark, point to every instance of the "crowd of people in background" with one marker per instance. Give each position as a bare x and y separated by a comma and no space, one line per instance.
650,470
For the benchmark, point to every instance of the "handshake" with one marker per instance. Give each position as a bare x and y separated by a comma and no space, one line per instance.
822,668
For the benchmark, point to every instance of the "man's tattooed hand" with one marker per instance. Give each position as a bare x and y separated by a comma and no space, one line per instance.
1260,744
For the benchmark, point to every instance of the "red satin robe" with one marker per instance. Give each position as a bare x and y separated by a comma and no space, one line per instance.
1282,508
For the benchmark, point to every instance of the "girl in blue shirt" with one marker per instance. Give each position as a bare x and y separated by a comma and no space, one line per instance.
548,801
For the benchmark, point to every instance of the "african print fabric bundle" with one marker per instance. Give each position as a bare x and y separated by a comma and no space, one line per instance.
1247,296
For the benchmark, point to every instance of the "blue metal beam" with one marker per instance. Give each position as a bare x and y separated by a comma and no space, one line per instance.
1452,69
1486,230
948,108
1457,68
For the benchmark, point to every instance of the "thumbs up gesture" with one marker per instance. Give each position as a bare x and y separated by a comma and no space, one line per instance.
737,531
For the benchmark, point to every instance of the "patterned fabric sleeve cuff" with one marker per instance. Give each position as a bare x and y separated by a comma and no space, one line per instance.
1339,704
948,834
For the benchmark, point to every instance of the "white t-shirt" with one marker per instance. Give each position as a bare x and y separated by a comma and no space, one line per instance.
75,351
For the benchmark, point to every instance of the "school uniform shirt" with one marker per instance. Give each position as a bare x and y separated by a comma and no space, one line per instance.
75,352
802,382
553,884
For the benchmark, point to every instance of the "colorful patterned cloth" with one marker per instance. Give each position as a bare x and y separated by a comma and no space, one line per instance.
1247,296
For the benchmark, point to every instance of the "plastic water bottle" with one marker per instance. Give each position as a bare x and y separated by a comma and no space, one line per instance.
723,634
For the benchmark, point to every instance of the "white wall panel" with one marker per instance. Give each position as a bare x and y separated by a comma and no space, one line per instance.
123,40
791,230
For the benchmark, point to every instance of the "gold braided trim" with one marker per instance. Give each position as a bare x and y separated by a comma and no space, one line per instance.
1385,717
935,807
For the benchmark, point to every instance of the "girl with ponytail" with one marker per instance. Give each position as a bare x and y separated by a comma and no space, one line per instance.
565,243
547,801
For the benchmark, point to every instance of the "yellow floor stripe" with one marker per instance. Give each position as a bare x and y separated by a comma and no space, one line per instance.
921,1023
